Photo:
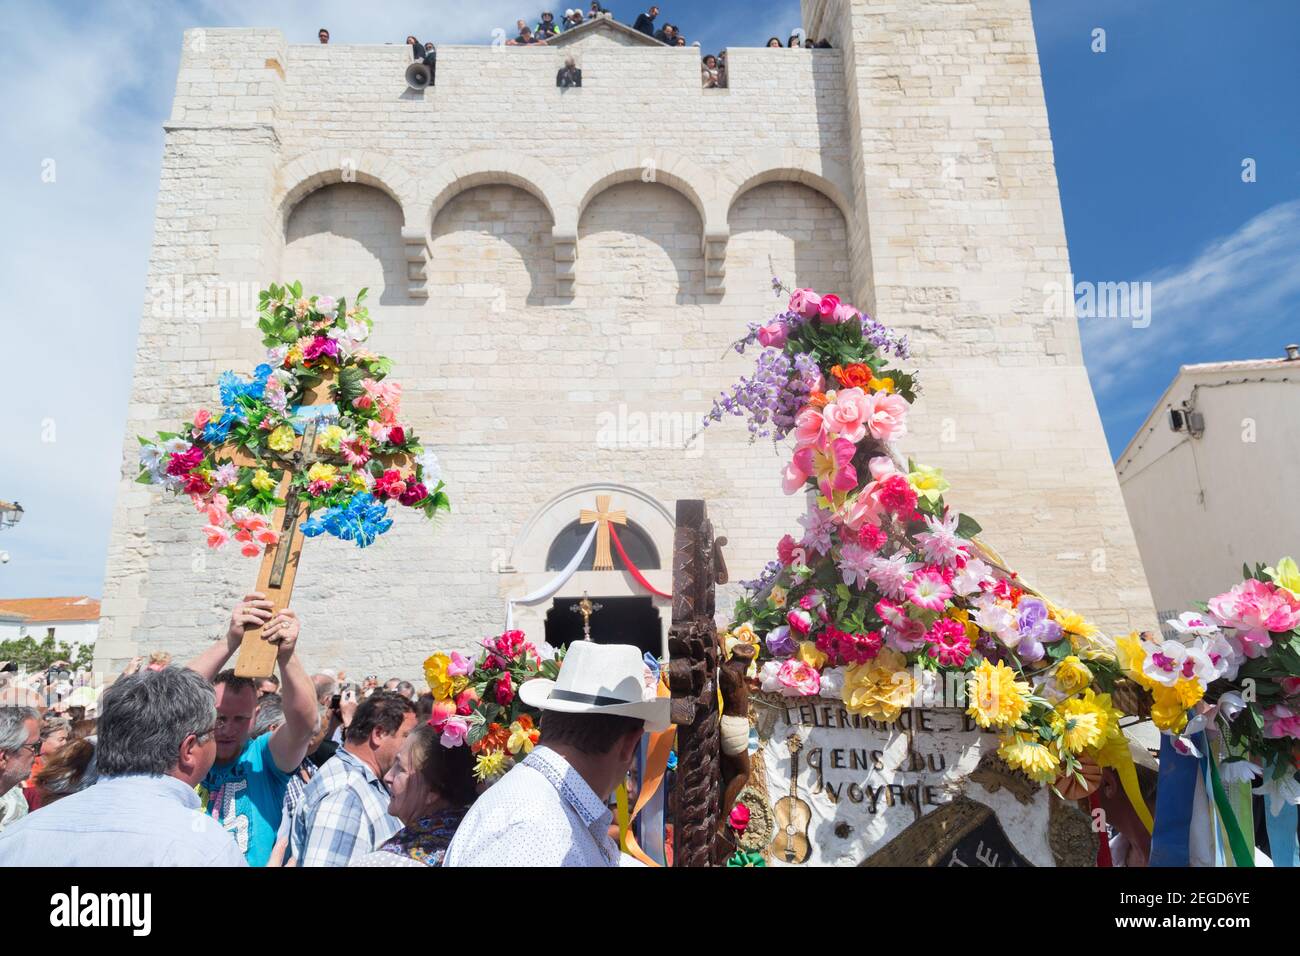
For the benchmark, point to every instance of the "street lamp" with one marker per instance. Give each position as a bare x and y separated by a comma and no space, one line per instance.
10,514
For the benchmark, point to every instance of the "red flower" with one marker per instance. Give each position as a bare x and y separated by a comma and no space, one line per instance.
397,435
898,497
785,549
390,484
872,537
505,690
414,494
185,461
196,484
465,702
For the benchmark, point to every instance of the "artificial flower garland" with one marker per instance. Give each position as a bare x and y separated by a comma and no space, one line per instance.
348,488
1232,671
476,704
886,593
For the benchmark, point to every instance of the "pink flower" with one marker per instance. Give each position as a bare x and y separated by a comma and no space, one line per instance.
886,415
1290,686
928,590
1281,721
897,496
773,335
250,549
785,549
805,302
454,731
832,466
201,418
217,536
465,701
355,451
809,427
1255,609
414,494
801,679
460,666
443,710
871,536
846,417
827,306
799,620
948,642
739,817
843,313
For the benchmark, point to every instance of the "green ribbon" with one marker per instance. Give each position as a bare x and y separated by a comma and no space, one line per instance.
1241,851
742,858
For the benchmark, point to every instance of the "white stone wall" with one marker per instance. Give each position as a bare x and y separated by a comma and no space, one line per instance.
545,266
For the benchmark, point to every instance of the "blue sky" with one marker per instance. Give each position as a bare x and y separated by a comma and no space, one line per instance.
1149,140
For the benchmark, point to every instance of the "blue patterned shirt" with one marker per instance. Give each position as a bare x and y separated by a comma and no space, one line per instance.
343,815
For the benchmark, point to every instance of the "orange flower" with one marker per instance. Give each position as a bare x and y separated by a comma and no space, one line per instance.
817,400
856,375
494,739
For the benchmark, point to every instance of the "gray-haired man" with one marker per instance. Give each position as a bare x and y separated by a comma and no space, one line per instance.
156,741
20,742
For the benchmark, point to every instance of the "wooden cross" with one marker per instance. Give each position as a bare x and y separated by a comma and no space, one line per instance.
280,563
603,516
586,607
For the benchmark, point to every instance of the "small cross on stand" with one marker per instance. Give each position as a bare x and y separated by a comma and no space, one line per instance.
280,563
586,607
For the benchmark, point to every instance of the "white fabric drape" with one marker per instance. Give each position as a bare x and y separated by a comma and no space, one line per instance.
551,587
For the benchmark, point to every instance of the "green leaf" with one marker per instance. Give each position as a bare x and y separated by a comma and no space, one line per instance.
967,527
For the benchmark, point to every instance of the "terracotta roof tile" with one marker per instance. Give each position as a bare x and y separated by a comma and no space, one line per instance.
42,610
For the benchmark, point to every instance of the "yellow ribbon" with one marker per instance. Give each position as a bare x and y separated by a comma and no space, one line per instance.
624,819
1128,778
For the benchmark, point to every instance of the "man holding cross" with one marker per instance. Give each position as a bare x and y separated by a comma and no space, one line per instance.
245,788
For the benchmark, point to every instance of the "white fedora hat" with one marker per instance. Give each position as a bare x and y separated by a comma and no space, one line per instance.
600,679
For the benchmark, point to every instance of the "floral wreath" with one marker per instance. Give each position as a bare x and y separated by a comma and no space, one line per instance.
887,595
476,704
311,342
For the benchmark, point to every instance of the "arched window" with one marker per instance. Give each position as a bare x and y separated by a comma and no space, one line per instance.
635,541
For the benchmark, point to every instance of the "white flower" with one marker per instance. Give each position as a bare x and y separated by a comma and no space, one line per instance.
432,469
326,304
996,619
1230,705
1280,790
891,574
1190,622
767,677
1225,654
275,357
940,544
1164,661
150,457
175,446
1239,771
967,580
832,684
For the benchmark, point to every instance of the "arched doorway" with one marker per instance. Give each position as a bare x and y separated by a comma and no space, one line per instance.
616,620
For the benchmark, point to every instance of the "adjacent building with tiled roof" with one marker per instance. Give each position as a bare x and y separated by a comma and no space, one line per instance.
71,619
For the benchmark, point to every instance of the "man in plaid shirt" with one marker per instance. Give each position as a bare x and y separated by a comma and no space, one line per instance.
344,813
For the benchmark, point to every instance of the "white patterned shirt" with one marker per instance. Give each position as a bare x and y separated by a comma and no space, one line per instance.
343,815
541,813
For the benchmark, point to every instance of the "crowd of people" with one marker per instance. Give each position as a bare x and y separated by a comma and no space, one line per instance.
713,66
194,766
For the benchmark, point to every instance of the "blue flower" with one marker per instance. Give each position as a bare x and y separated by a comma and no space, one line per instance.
363,520
216,433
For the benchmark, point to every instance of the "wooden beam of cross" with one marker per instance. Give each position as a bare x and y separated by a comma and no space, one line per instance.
280,562
602,516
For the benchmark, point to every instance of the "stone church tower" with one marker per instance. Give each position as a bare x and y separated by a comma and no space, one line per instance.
557,275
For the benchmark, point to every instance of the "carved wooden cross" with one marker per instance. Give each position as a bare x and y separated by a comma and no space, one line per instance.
280,563
603,516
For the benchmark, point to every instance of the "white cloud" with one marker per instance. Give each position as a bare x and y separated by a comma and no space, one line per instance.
1237,287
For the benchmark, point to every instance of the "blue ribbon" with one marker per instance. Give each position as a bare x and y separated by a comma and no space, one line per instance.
1281,832
1175,797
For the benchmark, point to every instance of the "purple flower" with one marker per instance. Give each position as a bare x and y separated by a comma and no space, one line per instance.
817,525
1035,625
780,643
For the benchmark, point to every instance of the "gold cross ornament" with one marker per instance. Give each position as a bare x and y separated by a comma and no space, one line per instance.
603,516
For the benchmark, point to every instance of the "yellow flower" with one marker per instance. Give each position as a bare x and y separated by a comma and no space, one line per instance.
435,673
741,634
881,385
962,616
522,737
1190,692
1072,675
489,765
1286,575
322,472
809,654
1131,657
880,688
330,438
263,481
777,596
927,482
358,481
1080,723
1072,623
281,439
996,698
1113,748
1167,709
1027,753
458,684
293,356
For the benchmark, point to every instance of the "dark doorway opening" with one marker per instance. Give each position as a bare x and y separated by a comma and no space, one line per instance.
620,620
